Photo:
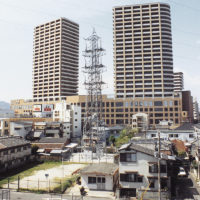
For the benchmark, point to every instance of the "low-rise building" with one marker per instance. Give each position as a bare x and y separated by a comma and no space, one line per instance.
48,144
4,127
138,170
14,151
185,132
103,176
71,116
140,121
20,128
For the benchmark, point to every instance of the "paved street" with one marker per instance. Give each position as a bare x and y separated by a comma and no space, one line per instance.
187,188
32,196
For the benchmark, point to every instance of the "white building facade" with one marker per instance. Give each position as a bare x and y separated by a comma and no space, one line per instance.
138,172
70,116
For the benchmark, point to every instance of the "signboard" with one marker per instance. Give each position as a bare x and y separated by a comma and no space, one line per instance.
47,108
37,108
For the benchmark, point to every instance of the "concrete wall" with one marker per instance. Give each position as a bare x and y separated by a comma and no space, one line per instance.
142,167
19,129
171,135
108,182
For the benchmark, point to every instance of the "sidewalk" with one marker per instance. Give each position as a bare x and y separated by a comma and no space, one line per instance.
195,183
90,193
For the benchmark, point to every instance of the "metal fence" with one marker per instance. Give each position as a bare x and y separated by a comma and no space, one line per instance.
4,194
56,186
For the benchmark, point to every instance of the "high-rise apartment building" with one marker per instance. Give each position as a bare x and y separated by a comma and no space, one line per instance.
55,60
143,60
178,82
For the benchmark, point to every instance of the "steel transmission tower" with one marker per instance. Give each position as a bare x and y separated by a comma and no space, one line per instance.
93,129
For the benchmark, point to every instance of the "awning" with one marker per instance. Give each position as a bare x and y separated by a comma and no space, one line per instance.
58,151
40,151
37,133
71,145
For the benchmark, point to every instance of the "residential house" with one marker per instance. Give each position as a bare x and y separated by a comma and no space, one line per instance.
14,151
138,170
186,133
140,121
20,128
102,176
48,144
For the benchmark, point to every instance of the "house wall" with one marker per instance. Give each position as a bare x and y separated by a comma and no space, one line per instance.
108,182
19,129
171,135
142,167
9,159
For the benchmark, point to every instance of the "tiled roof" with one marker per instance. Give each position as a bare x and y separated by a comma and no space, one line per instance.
12,142
100,169
186,126
52,140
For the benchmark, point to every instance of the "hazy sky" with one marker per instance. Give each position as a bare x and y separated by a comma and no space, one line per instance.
19,17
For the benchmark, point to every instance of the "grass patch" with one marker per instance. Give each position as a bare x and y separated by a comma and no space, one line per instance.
67,183
28,171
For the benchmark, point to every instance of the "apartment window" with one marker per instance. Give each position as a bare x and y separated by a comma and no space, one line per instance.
128,157
165,103
119,104
151,183
92,180
18,149
131,177
12,151
191,135
128,192
150,103
158,103
153,168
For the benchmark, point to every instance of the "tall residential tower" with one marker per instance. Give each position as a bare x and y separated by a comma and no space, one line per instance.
55,60
178,82
143,60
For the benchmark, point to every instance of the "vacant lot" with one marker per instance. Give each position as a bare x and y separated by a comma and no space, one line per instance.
45,176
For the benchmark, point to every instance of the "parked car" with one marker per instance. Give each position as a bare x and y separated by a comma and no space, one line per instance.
182,172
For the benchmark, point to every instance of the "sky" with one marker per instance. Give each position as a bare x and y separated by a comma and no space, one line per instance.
19,17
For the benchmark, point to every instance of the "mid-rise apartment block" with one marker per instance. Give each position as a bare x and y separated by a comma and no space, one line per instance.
143,60
178,82
55,60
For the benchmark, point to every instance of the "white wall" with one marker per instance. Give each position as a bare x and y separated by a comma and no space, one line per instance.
184,136
108,182
69,114
23,129
142,167
76,132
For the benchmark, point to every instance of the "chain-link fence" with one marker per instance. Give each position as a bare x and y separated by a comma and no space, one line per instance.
56,186
4,194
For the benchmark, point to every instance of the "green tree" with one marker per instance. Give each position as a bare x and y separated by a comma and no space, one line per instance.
112,140
34,149
125,136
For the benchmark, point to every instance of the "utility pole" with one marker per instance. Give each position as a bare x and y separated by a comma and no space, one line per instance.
159,185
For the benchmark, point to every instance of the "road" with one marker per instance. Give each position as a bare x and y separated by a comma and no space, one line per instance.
187,188
33,196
